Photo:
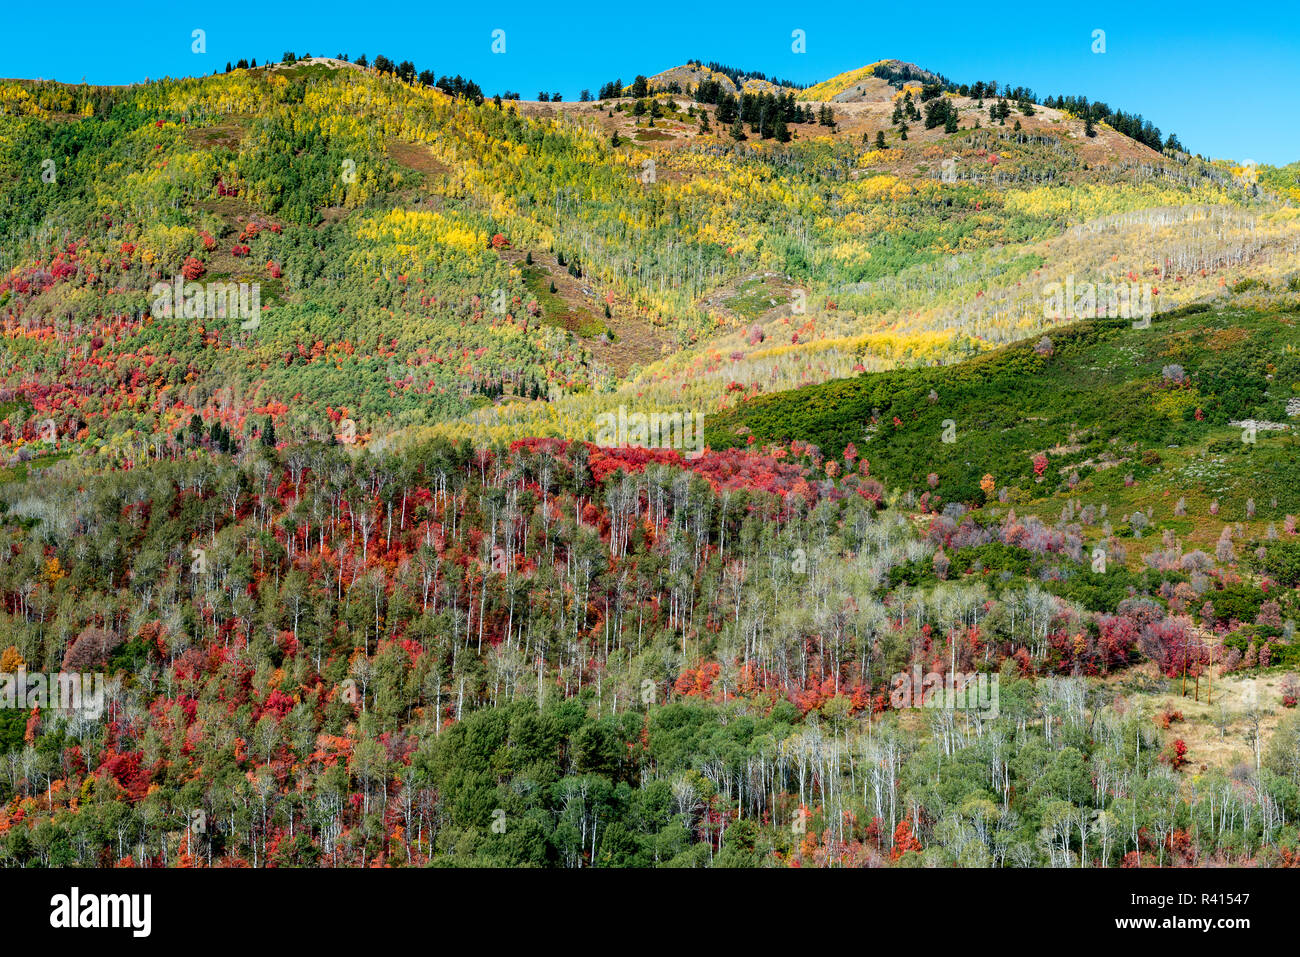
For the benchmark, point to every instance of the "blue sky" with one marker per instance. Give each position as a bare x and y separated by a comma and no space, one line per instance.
1223,77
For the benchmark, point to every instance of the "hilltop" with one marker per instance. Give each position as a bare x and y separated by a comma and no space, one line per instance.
877,81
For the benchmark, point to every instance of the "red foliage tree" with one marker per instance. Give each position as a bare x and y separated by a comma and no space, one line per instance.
904,840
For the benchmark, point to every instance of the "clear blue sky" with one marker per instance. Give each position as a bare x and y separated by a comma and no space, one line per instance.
1222,76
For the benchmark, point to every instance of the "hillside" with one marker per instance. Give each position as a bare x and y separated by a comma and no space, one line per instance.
1124,419
444,479
433,205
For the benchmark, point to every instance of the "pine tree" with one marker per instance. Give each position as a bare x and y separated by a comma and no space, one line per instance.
880,139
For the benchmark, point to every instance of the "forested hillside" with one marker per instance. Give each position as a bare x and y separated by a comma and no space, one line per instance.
366,590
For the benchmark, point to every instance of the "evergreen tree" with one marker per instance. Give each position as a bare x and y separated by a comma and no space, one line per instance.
727,110
936,113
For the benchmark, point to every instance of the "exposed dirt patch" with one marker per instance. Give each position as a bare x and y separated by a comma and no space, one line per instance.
1217,730
333,214
415,156
757,297
221,136
221,262
618,342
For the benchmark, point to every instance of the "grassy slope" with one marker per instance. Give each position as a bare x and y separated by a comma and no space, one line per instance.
1097,405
